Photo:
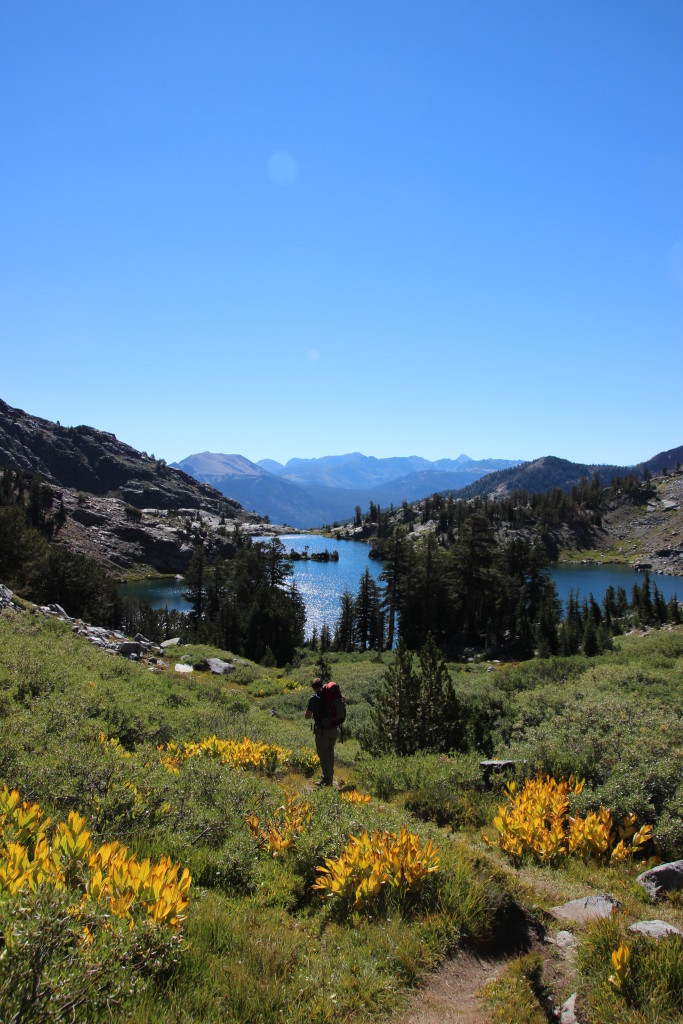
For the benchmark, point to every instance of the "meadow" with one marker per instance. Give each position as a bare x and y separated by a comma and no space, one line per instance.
287,918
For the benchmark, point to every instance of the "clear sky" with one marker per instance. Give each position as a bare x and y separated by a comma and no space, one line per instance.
287,228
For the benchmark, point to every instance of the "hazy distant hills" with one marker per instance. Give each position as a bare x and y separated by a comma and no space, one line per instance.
311,492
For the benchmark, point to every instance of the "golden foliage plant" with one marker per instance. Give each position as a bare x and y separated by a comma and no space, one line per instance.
620,962
354,797
536,822
31,857
284,827
244,753
374,864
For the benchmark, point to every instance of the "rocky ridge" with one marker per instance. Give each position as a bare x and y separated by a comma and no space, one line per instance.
95,462
124,509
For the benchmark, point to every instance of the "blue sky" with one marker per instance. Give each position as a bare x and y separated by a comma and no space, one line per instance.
302,228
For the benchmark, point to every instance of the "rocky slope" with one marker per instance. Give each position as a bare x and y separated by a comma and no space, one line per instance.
646,536
126,510
95,462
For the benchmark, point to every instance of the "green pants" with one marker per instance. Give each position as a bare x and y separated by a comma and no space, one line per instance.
325,740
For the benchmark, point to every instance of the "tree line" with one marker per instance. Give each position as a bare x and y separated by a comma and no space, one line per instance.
42,571
481,592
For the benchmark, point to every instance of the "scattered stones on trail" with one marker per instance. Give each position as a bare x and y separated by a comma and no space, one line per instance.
563,940
655,929
588,908
662,879
568,1011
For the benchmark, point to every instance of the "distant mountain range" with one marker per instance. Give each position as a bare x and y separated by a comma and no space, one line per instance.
307,493
303,493
311,492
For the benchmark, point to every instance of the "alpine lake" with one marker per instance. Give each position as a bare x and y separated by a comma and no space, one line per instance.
321,583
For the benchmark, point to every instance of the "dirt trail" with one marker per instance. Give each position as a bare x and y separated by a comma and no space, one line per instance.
451,994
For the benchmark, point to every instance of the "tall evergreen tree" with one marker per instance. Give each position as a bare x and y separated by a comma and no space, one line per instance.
343,632
475,576
367,615
396,709
440,725
394,564
195,586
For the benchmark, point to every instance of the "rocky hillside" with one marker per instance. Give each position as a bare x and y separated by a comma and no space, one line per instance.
648,536
126,510
94,462
539,476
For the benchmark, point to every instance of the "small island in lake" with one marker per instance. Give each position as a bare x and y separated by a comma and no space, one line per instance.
313,556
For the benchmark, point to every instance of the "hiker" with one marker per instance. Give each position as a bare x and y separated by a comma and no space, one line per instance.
325,735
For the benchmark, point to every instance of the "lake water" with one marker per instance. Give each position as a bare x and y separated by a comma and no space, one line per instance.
596,579
322,583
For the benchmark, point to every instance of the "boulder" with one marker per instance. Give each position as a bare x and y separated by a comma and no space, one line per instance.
219,667
173,642
568,1011
655,929
183,669
662,879
588,908
130,648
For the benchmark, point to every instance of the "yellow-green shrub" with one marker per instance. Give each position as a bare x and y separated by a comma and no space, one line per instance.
78,926
374,863
536,822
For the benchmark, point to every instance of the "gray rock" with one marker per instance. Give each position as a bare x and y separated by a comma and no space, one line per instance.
130,648
568,1011
5,596
565,940
219,667
183,669
588,908
655,929
173,642
57,609
662,879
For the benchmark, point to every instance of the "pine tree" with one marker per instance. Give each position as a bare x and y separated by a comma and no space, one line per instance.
343,632
394,563
366,615
396,710
440,720
194,586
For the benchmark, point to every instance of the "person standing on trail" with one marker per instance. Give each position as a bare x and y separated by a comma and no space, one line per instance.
325,735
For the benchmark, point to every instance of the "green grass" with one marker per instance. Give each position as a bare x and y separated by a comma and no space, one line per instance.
515,997
259,945
653,990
